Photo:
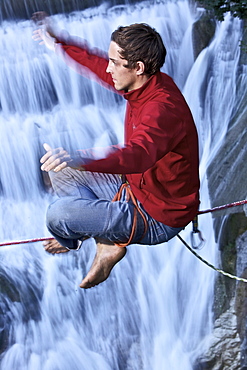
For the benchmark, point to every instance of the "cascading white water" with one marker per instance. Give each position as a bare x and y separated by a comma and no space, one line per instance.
155,309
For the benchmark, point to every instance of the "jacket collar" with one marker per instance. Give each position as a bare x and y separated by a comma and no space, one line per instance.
137,96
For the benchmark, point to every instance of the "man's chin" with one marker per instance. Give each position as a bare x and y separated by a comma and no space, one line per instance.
119,87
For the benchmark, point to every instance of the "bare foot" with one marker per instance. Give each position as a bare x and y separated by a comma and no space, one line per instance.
106,257
53,247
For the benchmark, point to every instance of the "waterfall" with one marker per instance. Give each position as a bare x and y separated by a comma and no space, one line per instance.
155,310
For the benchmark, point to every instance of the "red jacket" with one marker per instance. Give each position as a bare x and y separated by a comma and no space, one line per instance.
160,156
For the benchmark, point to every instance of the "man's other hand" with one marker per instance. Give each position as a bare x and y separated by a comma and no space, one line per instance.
55,159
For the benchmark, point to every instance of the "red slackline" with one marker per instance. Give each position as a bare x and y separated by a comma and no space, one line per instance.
230,205
26,241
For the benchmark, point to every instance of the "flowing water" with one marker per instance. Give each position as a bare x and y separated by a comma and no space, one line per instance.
155,310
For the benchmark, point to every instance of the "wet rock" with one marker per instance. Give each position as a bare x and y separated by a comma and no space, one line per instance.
222,348
9,294
241,296
229,337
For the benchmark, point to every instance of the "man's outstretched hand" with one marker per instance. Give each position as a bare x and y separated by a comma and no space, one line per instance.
44,38
45,33
57,159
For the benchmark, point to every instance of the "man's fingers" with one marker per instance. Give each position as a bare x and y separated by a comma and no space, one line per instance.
52,153
47,155
50,164
47,147
56,166
38,34
46,158
54,159
60,167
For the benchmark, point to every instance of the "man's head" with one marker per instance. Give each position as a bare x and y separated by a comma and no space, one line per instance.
136,52
140,42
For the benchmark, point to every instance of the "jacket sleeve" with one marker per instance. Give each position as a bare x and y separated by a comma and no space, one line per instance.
158,132
91,63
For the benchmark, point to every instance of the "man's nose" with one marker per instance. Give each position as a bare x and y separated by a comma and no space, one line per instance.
108,69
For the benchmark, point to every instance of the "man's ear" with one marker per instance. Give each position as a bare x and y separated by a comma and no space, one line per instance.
140,68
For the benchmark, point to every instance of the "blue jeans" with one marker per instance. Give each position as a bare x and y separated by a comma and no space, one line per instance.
85,209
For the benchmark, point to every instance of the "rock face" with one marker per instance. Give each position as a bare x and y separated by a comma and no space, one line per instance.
229,185
203,32
241,296
226,348
223,344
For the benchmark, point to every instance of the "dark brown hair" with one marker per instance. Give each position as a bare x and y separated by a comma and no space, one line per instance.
140,42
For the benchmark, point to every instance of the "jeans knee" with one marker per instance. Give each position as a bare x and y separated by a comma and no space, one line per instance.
53,215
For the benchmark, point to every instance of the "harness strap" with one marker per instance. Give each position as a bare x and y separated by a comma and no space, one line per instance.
130,195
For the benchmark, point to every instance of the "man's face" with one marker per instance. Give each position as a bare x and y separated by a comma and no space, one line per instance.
123,78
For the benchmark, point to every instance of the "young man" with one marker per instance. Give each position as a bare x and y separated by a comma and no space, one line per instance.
148,190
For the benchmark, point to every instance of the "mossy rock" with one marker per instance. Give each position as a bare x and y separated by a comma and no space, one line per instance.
202,33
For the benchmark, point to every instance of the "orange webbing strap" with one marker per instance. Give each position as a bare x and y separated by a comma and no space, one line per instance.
130,195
